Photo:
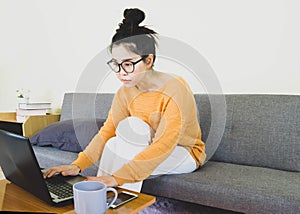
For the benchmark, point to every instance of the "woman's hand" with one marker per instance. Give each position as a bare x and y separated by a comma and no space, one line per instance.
64,170
109,180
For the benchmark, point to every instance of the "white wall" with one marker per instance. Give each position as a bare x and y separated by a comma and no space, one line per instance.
252,45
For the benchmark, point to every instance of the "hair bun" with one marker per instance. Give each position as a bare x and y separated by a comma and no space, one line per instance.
133,16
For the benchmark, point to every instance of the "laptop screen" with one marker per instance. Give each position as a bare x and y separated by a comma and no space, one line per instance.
20,166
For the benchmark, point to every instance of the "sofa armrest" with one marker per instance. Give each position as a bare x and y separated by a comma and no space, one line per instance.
33,124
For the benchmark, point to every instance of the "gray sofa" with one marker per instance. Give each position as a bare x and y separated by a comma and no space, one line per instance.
255,168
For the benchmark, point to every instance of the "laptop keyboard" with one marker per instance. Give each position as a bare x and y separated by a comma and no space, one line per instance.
59,187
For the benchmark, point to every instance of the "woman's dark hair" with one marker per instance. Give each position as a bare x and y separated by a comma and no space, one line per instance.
138,39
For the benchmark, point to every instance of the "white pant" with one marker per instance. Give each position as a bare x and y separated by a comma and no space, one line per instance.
133,135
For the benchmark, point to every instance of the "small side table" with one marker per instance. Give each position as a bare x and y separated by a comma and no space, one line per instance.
29,127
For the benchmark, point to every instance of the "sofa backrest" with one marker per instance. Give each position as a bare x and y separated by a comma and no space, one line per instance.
260,130
86,105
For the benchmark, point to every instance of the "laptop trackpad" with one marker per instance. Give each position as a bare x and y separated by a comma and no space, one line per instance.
74,179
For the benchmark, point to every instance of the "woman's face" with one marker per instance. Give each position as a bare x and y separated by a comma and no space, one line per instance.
120,54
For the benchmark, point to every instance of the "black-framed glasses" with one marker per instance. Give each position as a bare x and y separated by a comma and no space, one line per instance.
127,65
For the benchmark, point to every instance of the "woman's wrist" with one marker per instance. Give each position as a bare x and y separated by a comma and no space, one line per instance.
76,167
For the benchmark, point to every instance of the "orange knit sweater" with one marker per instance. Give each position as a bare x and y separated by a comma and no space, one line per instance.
170,111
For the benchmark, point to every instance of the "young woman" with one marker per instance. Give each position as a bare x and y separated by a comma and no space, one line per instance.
152,126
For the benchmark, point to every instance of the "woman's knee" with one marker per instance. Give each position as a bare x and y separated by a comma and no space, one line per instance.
135,131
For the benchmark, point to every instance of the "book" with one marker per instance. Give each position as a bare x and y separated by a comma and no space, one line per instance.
23,114
44,105
30,112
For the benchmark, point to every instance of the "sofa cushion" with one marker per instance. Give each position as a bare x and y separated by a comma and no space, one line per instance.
69,135
262,130
240,188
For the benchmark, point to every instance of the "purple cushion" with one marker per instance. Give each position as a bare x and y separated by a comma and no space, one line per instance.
69,135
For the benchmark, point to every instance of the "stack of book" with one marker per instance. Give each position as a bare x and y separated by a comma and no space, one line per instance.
25,110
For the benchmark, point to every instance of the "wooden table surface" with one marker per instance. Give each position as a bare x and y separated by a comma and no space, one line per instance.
14,198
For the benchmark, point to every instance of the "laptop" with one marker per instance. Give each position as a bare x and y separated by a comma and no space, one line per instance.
20,166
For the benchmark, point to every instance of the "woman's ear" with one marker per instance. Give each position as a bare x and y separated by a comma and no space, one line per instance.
149,61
